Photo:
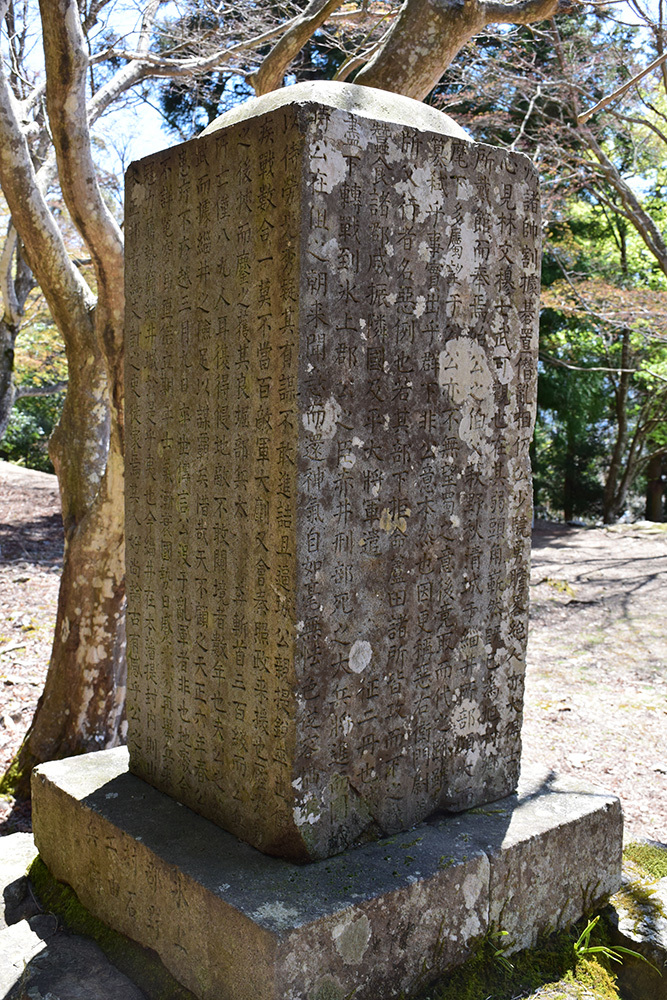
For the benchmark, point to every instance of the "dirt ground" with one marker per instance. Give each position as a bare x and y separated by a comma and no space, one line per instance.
596,682
596,690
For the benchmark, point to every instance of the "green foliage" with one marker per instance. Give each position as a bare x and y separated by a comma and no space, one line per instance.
516,87
568,447
609,313
11,779
552,964
583,947
40,361
188,108
31,423
190,105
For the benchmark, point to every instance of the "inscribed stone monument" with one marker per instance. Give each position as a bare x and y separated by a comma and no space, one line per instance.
330,388
331,318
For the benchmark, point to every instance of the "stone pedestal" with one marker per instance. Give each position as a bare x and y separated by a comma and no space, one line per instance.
233,924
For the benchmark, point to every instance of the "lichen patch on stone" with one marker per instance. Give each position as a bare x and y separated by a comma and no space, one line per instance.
351,939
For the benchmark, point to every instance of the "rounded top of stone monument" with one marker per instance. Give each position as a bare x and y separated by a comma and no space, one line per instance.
369,102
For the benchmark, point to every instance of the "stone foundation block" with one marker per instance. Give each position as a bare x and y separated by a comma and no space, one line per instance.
233,924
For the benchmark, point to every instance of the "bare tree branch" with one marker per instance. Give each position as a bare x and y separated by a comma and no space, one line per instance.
361,56
620,91
353,63
147,24
66,67
641,121
600,368
270,74
429,34
91,18
12,311
144,65
68,295
533,101
633,208
195,65
40,390
523,12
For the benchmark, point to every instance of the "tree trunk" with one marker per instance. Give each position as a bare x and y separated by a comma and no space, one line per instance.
420,45
87,667
429,34
613,498
17,283
655,488
7,387
87,672
569,482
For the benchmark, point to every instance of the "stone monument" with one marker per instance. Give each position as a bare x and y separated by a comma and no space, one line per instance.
329,500
331,364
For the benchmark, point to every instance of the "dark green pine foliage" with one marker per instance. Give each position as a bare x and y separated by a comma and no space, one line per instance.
189,106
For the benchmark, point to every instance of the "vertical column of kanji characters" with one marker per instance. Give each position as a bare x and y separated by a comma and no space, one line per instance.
167,369
526,290
273,298
379,756
449,256
439,476
184,411
477,714
392,367
351,698
216,237
281,361
243,565
317,731
150,332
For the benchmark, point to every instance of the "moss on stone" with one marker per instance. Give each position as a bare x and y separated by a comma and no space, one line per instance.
11,779
139,964
595,979
550,968
650,857
640,901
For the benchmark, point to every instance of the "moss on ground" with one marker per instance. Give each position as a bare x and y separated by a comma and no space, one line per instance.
550,971
139,964
650,857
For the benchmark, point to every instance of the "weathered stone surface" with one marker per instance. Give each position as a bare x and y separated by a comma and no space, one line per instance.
18,945
233,924
64,967
330,389
552,859
368,102
638,912
17,851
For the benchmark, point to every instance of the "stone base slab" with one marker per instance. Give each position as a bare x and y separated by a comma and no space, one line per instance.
233,924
